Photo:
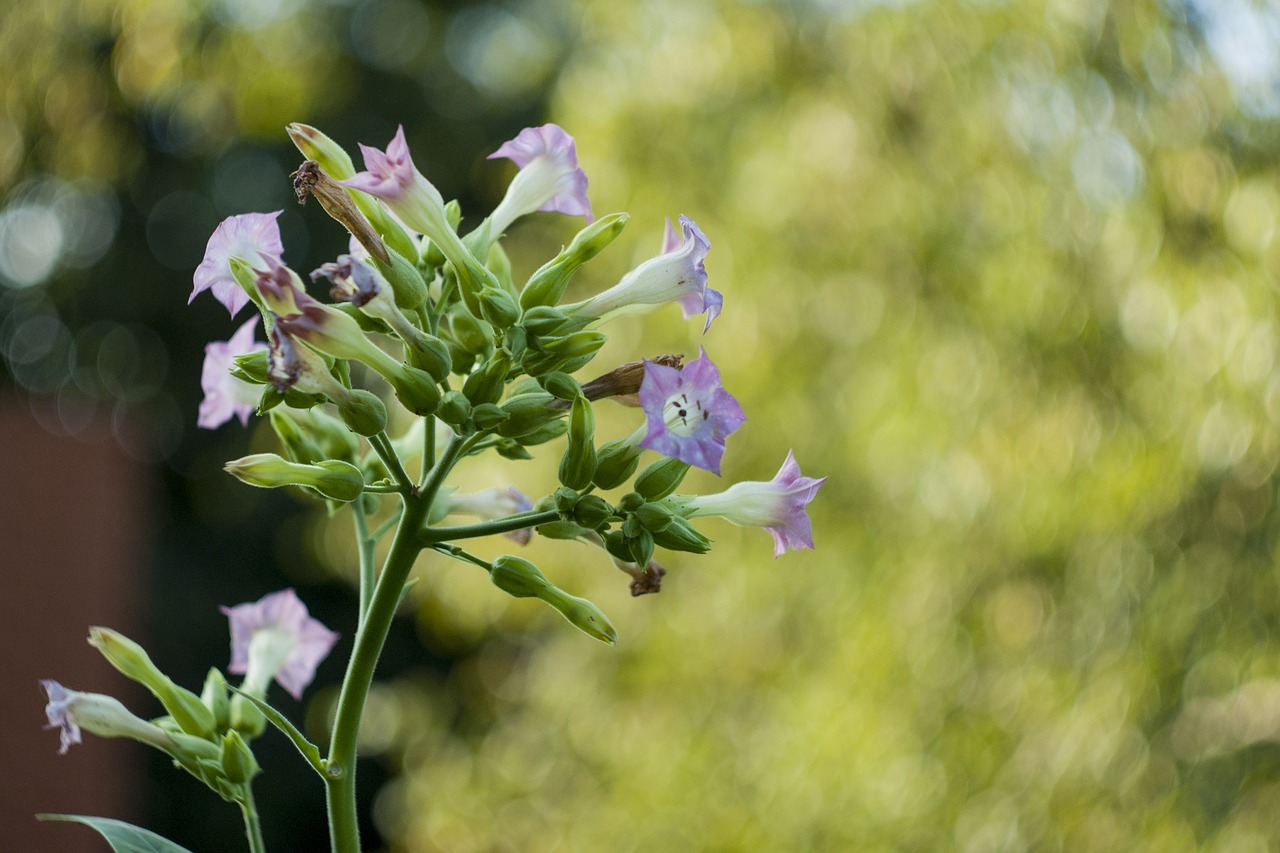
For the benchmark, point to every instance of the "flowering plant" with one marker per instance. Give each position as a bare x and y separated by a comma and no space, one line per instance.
432,321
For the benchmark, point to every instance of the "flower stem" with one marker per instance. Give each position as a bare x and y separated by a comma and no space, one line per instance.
432,535
365,543
340,779
252,826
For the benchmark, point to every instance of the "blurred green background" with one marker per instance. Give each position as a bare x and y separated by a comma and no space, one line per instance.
1004,271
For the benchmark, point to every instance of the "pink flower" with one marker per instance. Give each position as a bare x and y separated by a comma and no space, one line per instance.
392,177
707,300
549,177
104,716
225,396
689,413
252,237
274,637
778,506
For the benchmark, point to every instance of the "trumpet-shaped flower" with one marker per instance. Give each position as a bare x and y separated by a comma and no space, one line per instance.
104,716
391,176
275,637
225,396
707,301
688,412
252,237
549,177
778,506
676,275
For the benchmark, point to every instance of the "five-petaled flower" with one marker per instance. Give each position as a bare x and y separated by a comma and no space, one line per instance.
392,177
252,237
225,396
689,413
678,275
778,505
274,637
549,176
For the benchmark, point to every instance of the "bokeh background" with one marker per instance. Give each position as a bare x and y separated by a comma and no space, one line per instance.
1006,272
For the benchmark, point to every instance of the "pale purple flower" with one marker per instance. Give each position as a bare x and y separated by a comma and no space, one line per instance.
689,414
709,300
391,176
252,237
225,396
274,637
104,716
678,275
549,177
492,504
778,506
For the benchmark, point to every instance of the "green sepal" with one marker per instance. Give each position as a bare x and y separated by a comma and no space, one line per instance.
615,462
238,761
548,284
680,535
544,433
216,698
591,511
661,478
251,367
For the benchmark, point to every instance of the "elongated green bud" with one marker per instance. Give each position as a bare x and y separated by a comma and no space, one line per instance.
475,336
591,511
543,434
517,577
565,354
332,478
499,308
562,530
579,461
661,478
238,762
654,517
363,412
216,698
454,409
582,614
429,353
527,412
488,416
562,386
133,661
416,390
406,282
680,535
548,284
486,384
615,462
246,718
251,367
544,320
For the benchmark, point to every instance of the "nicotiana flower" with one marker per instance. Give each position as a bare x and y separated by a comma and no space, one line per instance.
274,637
709,300
778,505
688,412
677,275
491,504
252,237
549,177
104,716
391,176
225,396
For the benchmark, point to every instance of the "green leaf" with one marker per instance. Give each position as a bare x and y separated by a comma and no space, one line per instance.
309,750
123,837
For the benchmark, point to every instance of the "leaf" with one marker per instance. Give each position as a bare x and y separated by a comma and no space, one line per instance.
309,750
123,837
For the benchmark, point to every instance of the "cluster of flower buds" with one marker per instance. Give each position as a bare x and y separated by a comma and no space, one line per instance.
207,734
476,351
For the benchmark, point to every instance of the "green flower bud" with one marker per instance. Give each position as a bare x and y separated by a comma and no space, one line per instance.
238,762
363,412
340,481
548,284
591,511
488,416
564,499
615,462
499,308
527,412
429,353
297,444
515,341
454,409
680,535
251,367
567,353
407,284
246,718
509,448
661,478
653,517
134,663
543,434
416,390
487,384
562,530
641,547
562,386
317,146
335,439
462,359
584,615
578,464
216,698
475,336
615,542
630,502
517,577
543,320
191,749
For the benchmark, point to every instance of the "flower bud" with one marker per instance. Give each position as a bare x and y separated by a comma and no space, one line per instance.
517,577
544,320
564,499
591,511
615,462
332,478
515,341
407,285
680,535
497,306
543,434
527,412
560,385
630,502
641,547
654,517
562,530
104,716
298,446
246,718
251,367
579,461
584,615
454,409
487,384
475,336
132,660
488,416
431,354
363,412
548,284
216,698
661,478
238,762
416,390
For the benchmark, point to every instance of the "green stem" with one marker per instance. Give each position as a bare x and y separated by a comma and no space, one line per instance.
340,767
460,554
433,535
382,446
252,826
365,543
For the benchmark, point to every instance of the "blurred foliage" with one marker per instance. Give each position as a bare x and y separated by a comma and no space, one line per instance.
1005,272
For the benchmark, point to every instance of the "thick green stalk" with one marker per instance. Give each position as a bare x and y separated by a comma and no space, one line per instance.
340,780
252,826
365,544
432,535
